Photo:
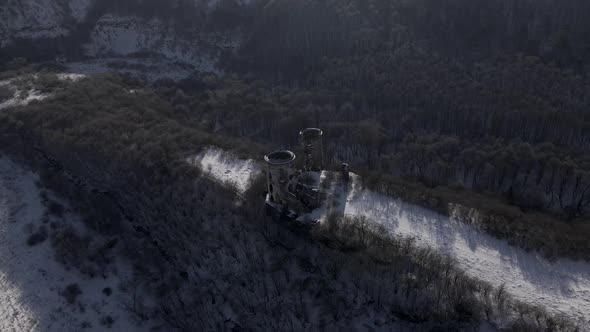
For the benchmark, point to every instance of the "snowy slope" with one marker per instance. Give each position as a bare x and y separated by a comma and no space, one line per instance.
561,287
31,280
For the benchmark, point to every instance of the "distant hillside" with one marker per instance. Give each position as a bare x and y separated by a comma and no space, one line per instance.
77,29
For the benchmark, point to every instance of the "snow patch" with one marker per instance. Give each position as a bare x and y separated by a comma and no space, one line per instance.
70,76
23,98
226,167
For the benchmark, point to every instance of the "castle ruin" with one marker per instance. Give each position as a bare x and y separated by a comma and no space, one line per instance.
293,192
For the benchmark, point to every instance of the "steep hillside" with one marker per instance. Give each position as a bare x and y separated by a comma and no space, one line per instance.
55,273
45,19
561,287
78,29
476,109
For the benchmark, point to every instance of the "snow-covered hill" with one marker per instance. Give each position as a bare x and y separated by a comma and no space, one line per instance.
37,293
561,287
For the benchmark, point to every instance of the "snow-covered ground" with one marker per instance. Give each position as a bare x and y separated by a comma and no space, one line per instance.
561,287
70,76
226,167
23,97
31,280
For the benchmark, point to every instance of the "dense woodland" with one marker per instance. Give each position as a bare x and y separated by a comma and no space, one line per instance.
475,147
488,95
445,97
480,103
215,265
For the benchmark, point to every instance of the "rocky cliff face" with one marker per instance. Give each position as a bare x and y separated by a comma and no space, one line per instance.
114,35
31,20
73,29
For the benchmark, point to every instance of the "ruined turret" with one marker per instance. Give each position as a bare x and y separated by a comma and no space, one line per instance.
313,149
280,175
294,193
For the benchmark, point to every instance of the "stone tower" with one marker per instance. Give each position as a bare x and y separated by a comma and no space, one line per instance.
280,176
313,149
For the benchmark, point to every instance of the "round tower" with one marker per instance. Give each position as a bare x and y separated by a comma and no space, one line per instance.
313,149
281,171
